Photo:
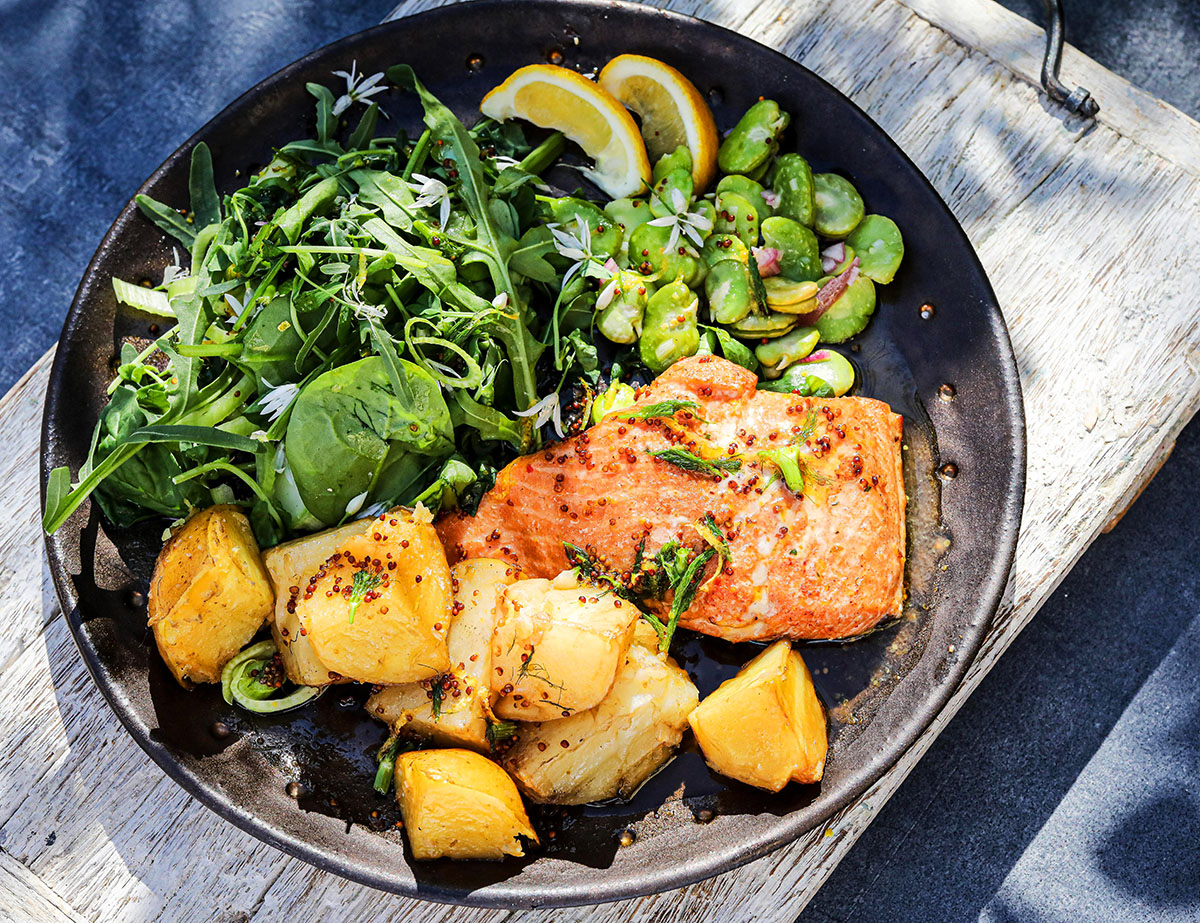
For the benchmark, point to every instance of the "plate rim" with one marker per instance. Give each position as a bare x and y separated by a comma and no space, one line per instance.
502,894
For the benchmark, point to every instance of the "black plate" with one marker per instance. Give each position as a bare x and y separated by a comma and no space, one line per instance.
883,690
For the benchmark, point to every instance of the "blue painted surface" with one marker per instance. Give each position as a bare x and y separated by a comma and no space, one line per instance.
1066,789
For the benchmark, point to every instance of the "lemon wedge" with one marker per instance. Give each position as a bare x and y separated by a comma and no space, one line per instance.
556,97
671,109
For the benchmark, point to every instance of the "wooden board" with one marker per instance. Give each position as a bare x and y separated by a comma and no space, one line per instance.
1068,218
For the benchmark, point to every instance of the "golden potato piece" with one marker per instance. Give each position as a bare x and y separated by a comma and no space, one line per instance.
375,608
291,565
765,727
616,746
459,805
465,694
556,647
209,594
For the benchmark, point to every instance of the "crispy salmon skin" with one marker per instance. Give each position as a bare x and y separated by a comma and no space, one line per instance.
825,563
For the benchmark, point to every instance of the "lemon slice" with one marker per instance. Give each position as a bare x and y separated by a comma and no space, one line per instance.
556,97
671,109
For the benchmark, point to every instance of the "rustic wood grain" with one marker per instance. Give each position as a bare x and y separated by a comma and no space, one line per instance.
1062,212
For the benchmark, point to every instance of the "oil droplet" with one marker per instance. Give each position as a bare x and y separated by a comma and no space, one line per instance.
137,598
554,56
294,790
627,838
946,392
705,815
941,544
220,730
716,96
949,471
475,63
926,311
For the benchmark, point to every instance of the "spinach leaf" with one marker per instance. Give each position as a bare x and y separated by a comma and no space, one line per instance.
348,426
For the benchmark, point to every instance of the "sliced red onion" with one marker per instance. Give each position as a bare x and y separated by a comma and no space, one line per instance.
832,256
830,292
611,265
770,197
768,260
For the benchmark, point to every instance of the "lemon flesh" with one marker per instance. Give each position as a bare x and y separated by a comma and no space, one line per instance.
558,98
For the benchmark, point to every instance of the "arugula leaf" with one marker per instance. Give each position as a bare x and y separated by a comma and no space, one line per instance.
198,435
206,206
167,219
490,240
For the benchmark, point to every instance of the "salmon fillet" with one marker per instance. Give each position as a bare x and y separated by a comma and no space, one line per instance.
825,564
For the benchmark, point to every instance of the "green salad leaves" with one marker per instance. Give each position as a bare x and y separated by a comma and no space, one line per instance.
364,323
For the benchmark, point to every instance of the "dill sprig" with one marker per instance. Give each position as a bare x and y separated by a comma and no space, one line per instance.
690,461
668,408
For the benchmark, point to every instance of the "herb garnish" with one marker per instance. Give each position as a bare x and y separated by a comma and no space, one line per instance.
675,568
500,731
387,764
364,583
667,408
711,533
690,461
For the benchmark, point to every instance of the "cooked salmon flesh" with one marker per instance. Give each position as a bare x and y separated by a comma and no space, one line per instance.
821,558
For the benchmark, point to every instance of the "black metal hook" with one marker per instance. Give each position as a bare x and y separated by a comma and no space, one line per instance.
1079,100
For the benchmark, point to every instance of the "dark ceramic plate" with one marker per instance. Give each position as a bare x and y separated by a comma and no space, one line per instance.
689,824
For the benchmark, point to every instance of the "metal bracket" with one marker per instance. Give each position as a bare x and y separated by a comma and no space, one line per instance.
1079,100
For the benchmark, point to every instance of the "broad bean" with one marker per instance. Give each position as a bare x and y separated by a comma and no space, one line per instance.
621,319
748,189
748,148
737,215
879,246
671,330
780,353
790,297
800,254
839,207
769,325
648,254
850,313
679,159
730,292
606,234
793,184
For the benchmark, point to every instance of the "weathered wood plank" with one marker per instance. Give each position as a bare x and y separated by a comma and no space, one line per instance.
24,896
1054,208
1018,44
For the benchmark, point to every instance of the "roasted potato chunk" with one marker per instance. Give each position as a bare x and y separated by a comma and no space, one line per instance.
609,750
765,727
369,601
463,695
556,647
292,564
209,594
459,805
